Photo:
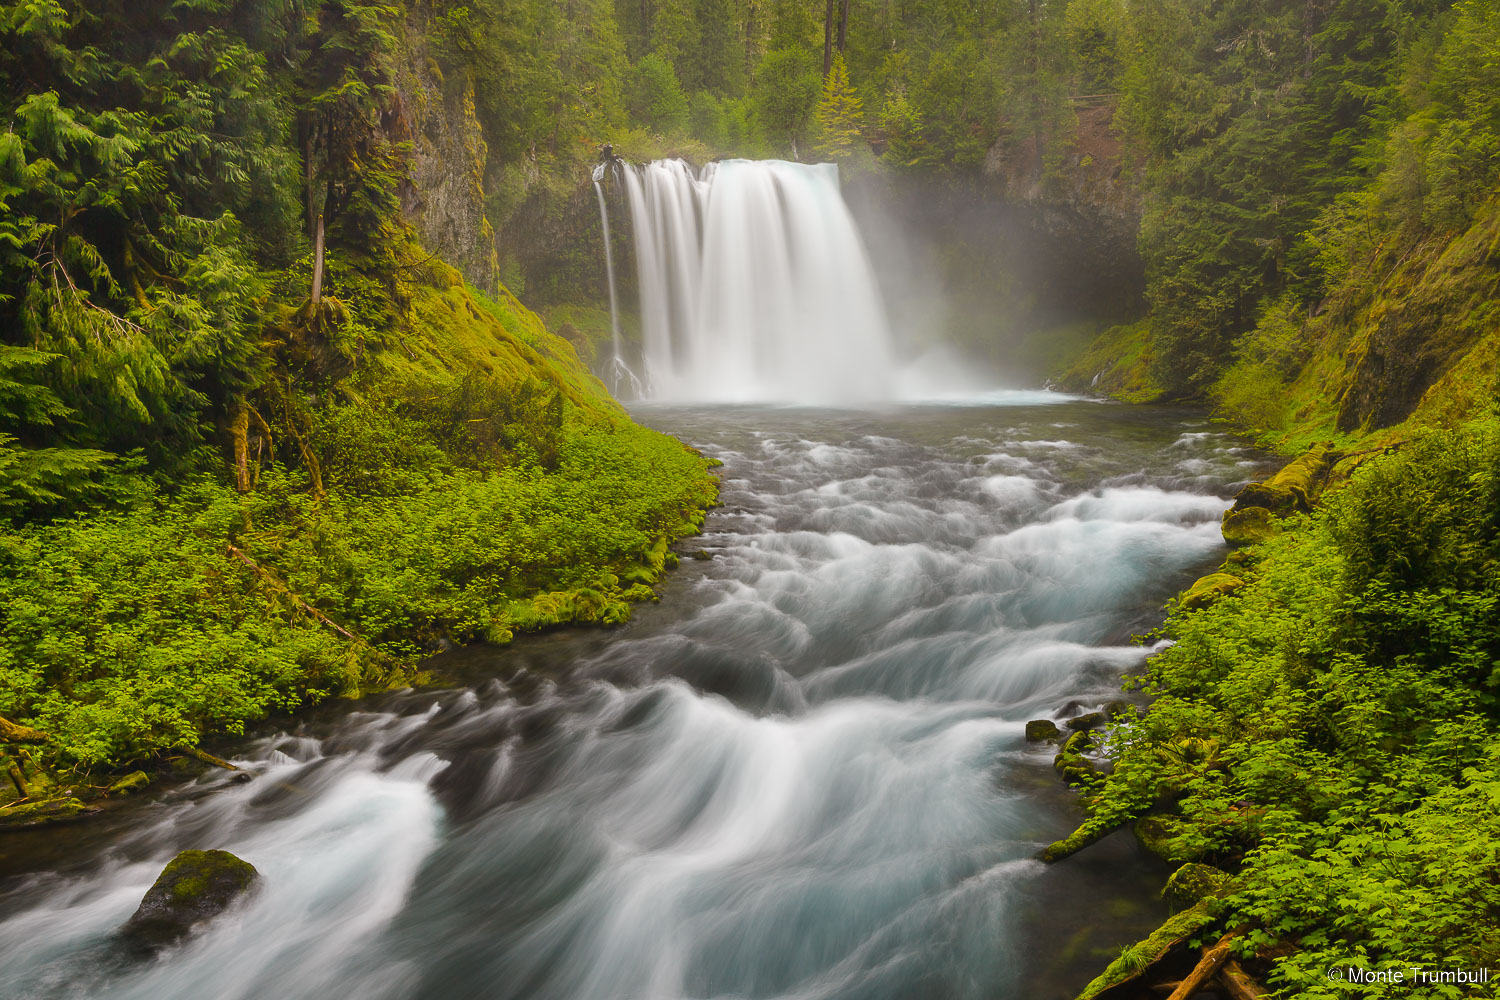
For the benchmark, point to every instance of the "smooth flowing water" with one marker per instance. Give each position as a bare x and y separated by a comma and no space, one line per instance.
755,285
801,775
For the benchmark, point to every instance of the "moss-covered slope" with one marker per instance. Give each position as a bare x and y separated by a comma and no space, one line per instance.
426,466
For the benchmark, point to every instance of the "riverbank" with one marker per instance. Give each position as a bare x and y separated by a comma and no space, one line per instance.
461,476
1321,731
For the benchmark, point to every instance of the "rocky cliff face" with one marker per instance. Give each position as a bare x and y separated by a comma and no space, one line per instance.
1082,210
1417,323
445,200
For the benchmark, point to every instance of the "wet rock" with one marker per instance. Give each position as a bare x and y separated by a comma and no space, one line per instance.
194,887
1280,500
53,810
1249,526
1042,730
703,555
1208,589
1119,710
1083,723
1194,882
130,784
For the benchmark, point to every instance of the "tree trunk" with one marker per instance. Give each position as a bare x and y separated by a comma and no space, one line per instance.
307,173
750,37
1207,966
11,732
239,432
827,39
1239,985
317,288
209,758
844,25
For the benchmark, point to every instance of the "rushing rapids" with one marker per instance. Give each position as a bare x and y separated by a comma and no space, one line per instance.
802,775
755,285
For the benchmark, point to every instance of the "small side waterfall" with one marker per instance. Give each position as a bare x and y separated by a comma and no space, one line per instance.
620,375
755,285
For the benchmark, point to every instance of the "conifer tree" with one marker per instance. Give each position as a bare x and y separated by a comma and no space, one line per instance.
839,116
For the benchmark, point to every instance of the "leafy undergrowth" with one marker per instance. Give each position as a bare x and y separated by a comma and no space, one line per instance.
459,476
1327,731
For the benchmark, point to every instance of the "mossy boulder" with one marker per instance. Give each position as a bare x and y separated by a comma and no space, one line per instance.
1042,730
133,782
1277,499
1083,723
1249,526
40,813
194,887
1194,882
1210,588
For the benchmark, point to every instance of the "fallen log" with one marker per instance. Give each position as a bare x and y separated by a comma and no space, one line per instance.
1208,966
1075,842
1238,984
209,758
11,732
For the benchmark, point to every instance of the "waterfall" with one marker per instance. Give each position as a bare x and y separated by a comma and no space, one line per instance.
755,285
619,373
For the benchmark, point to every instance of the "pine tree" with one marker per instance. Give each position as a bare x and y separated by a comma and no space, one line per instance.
900,121
839,116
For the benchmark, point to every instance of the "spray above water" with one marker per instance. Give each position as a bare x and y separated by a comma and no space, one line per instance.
755,285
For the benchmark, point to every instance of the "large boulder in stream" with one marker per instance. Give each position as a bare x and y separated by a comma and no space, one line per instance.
1042,731
194,887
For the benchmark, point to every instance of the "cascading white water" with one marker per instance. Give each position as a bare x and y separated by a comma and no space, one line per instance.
609,263
620,375
755,285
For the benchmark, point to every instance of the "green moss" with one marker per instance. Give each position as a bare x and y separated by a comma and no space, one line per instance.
47,810
1141,956
1040,730
1116,364
133,782
1208,589
1193,882
1250,526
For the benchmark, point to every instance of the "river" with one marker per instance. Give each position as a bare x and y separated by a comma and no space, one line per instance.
802,774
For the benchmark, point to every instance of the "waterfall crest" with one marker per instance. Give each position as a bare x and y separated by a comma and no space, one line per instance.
755,285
